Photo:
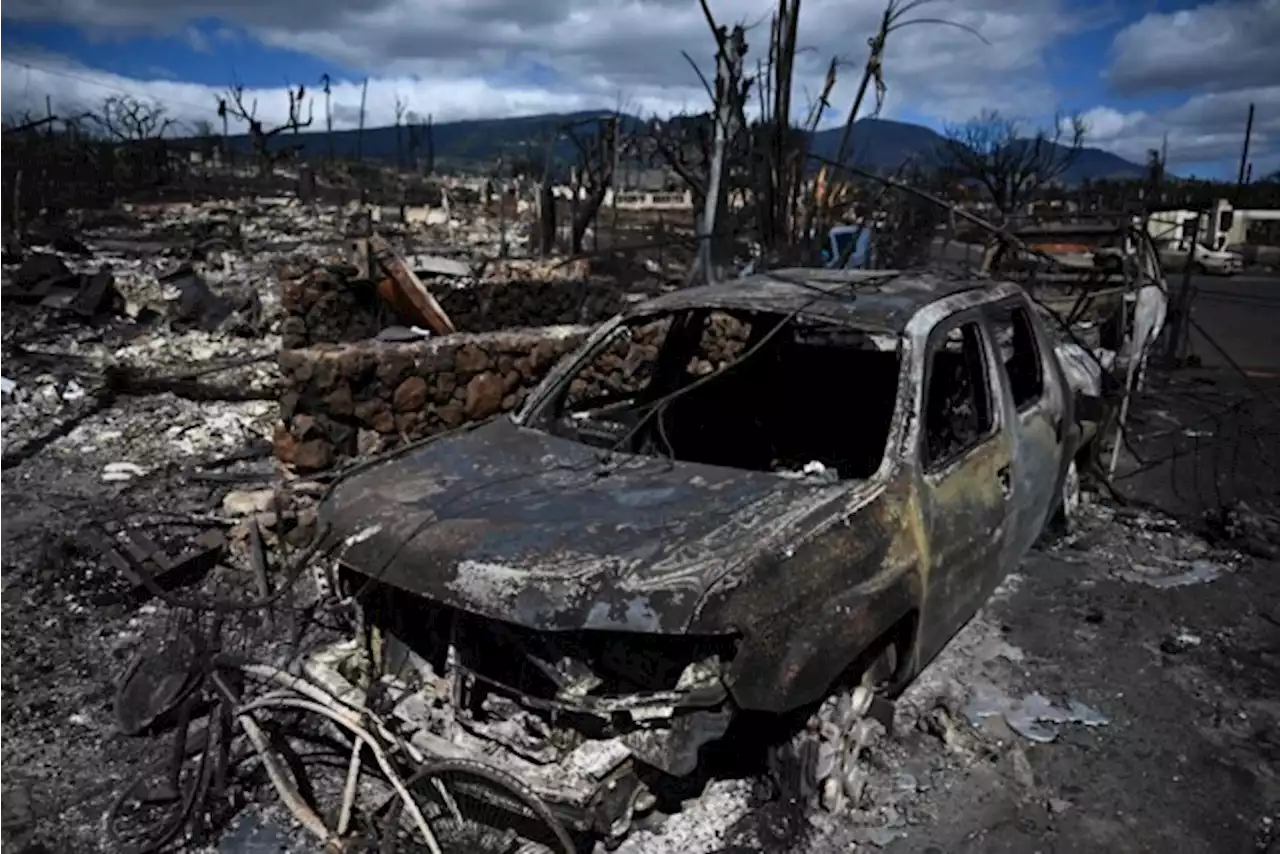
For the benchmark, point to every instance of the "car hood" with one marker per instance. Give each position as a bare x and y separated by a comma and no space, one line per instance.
519,525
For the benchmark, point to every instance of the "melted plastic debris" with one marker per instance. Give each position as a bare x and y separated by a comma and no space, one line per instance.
1034,717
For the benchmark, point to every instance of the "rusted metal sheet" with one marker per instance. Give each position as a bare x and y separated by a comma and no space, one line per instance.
425,305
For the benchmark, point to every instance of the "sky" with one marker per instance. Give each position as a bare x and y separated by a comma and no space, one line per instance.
1136,70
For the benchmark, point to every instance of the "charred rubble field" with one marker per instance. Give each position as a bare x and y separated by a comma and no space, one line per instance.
1120,692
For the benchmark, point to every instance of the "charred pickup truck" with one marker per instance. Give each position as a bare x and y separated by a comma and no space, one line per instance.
775,498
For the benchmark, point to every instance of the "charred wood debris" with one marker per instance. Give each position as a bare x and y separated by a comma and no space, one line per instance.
167,442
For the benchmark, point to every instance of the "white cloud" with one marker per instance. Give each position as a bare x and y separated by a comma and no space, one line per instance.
1225,55
1205,128
459,58
1213,47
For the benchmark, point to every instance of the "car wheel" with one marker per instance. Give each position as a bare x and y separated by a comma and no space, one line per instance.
824,766
1068,502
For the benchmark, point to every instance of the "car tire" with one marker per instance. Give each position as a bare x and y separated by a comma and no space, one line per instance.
1068,510
822,766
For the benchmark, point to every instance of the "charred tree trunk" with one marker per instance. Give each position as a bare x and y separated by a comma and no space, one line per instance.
546,219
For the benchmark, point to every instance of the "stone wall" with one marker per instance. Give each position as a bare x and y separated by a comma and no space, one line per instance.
340,400
344,400
490,306
329,306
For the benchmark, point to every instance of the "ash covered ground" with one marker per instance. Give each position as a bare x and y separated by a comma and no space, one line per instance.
1121,692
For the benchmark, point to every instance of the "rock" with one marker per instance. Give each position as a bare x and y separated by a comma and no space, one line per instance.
384,422
393,366
313,455
484,396
1021,768
339,401
471,360
368,442
366,411
407,423
304,426
284,443
410,395
451,415
243,502
120,472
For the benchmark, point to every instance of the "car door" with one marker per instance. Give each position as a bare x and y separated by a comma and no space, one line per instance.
1034,404
964,475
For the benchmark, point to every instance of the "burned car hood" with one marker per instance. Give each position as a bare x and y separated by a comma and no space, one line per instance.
522,526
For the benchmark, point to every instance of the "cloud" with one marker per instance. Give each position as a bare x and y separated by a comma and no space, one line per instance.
1213,47
73,89
462,58
1207,127
1222,55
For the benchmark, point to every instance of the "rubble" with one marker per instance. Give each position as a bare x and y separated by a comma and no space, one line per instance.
156,416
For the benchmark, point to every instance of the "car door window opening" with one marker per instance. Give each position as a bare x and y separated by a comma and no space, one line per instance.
715,387
958,412
1015,338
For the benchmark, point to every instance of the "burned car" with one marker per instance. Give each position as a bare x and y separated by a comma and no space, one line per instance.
777,498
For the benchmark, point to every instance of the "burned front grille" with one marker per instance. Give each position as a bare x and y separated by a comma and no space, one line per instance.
569,671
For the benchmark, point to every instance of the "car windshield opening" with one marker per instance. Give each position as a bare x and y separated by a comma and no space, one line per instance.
752,390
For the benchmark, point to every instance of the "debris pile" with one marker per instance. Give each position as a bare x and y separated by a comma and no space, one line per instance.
44,280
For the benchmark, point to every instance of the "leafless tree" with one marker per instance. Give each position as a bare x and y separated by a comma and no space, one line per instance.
595,140
232,104
128,119
1008,162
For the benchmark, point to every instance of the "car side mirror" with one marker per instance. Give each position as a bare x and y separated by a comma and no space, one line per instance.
826,254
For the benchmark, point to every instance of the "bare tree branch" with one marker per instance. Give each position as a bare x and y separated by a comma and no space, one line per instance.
128,119
233,105
992,151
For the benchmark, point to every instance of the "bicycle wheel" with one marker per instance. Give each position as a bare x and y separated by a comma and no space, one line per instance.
472,806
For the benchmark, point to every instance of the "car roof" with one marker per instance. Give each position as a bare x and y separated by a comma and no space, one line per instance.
876,300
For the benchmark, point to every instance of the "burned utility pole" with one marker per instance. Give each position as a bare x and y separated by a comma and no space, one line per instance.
328,112
364,94
1244,153
1181,315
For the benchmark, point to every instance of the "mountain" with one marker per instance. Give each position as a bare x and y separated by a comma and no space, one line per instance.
882,145
879,144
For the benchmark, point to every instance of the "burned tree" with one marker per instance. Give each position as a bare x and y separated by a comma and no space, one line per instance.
708,150
994,152
128,119
717,153
136,128
233,105
594,173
